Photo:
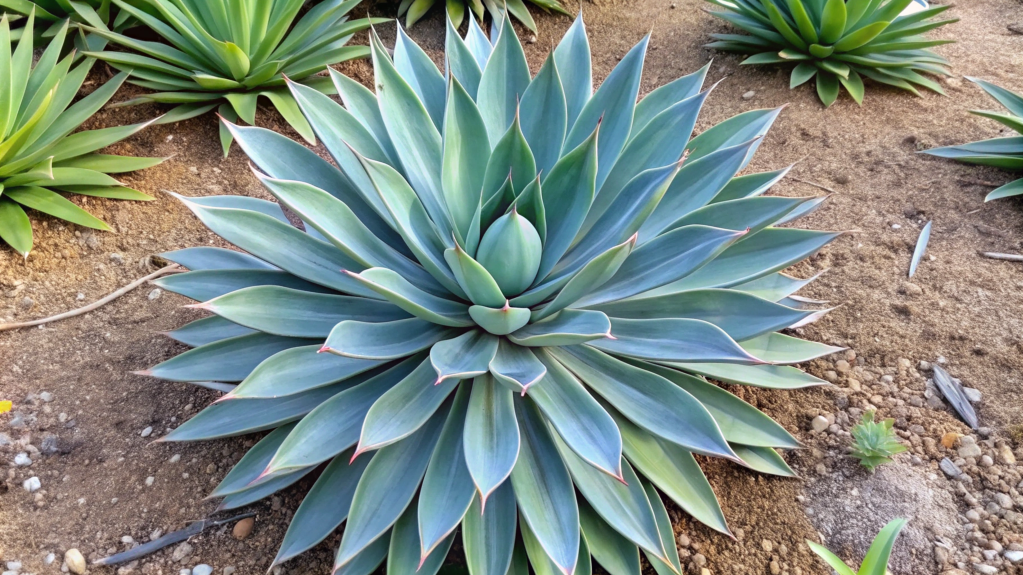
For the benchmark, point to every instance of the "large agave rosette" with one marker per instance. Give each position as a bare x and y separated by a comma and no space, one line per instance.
501,313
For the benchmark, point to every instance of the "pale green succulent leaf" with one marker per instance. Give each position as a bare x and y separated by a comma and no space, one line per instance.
464,163
402,555
404,294
491,437
578,418
231,418
252,464
488,532
368,560
611,109
460,60
361,103
210,258
572,57
784,349
673,339
750,185
567,195
261,490
477,282
296,313
615,553
544,116
511,158
763,460
622,502
422,75
516,367
570,327
387,487
833,561
228,360
324,508
696,183
300,369
739,421
742,316
499,321
876,560
478,43
54,204
665,530
673,470
544,490
465,356
662,261
335,424
767,376
503,83
404,408
659,145
666,96
649,400
448,488
207,330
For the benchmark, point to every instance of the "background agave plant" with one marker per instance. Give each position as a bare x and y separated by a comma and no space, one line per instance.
413,10
510,289
839,42
39,157
998,152
97,13
214,59
875,442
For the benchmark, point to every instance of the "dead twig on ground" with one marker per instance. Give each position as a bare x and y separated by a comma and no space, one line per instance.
173,268
1006,257
168,539
825,188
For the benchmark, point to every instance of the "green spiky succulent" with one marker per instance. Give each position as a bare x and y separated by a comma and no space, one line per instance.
839,42
509,288
876,560
96,13
39,156
1006,153
875,442
229,53
413,10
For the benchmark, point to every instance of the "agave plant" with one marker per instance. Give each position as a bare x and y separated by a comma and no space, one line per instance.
875,442
228,53
39,157
413,10
998,152
509,289
97,13
876,561
839,42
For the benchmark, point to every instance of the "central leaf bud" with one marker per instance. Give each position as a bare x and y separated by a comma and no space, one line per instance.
510,250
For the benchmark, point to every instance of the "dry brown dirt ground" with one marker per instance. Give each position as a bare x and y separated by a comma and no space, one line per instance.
960,306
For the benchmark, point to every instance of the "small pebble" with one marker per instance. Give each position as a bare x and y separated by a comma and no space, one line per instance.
22,460
32,484
229,570
46,396
75,561
14,566
819,423
243,528
49,559
749,95
175,458
202,569
150,480
155,294
147,432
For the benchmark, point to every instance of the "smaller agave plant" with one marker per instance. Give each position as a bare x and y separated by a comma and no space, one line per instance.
226,54
875,442
413,10
839,42
39,156
96,13
1006,153
876,560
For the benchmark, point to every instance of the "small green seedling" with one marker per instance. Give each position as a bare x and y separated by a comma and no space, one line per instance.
875,442
876,561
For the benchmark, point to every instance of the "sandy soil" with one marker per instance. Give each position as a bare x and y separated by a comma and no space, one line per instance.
959,306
